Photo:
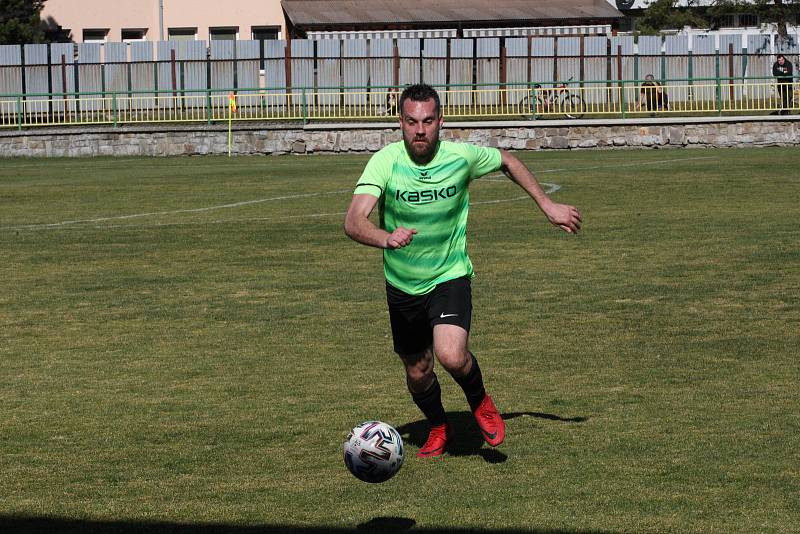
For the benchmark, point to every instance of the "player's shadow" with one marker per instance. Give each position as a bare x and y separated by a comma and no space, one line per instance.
387,524
467,440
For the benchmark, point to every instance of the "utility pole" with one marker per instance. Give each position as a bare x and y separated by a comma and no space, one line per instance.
160,20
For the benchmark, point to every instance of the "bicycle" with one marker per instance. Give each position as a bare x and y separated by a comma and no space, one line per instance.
541,100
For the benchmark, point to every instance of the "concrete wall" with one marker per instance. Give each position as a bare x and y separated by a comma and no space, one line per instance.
260,139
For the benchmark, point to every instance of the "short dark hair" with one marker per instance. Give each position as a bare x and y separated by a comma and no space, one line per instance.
780,56
420,93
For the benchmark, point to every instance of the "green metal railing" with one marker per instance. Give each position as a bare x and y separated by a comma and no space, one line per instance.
587,99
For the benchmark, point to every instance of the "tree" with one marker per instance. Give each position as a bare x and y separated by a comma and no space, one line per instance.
20,22
667,15
780,13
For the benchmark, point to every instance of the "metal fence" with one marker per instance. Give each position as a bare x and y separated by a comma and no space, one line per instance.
610,98
336,79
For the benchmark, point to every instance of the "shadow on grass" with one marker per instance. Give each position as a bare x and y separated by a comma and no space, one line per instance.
54,525
467,440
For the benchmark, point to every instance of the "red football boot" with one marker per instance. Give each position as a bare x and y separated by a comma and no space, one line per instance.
489,421
436,443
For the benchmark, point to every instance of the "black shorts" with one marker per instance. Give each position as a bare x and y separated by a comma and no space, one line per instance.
414,316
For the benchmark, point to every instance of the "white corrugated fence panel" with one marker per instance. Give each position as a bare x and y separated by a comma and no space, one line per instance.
90,75
409,53
543,51
116,58
222,56
248,66
194,67
569,62
36,76
275,66
142,74
676,67
434,65
595,68
355,71
10,71
487,71
329,74
517,66
381,70
731,64
302,70
62,74
649,55
461,58
704,58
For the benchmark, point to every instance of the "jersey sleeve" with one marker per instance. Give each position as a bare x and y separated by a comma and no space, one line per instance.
375,176
483,160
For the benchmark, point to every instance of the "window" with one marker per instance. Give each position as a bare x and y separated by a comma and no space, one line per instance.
266,33
748,20
223,34
95,35
133,34
182,34
727,21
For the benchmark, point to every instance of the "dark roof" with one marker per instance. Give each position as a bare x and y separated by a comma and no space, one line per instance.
310,13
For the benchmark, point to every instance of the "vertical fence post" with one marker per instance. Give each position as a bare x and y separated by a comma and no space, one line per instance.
744,74
77,76
174,80
503,74
623,103
619,77
719,82
731,93
303,105
208,105
19,112
114,109
209,109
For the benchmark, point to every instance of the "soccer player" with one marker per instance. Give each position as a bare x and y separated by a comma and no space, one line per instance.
420,186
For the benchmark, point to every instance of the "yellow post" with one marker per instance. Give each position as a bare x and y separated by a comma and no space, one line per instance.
231,111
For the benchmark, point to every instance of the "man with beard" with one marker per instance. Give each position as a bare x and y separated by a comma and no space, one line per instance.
420,186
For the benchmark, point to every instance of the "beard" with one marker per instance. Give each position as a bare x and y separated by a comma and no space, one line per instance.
421,153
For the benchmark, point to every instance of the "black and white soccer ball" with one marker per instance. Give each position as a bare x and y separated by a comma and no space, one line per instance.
373,451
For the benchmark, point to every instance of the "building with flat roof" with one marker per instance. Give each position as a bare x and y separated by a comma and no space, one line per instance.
160,20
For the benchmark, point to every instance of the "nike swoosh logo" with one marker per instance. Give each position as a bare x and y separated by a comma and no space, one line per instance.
443,315
489,435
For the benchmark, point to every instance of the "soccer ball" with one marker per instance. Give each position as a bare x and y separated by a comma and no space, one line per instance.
373,451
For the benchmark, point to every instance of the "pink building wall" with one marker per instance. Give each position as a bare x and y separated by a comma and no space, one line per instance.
116,15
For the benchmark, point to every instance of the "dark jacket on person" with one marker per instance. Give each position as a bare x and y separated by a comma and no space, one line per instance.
783,73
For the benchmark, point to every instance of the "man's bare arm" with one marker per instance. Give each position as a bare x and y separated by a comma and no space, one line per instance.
359,228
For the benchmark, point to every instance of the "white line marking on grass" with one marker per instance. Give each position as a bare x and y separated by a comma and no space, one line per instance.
595,167
173,212
551,188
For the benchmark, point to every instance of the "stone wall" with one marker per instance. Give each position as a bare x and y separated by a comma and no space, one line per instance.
287,139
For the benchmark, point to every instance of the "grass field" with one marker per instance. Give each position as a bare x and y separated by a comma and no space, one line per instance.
184,344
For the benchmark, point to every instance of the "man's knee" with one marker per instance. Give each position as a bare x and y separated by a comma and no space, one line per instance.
419,368
455,359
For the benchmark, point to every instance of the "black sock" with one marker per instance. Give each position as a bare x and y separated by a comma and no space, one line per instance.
472,384
430,403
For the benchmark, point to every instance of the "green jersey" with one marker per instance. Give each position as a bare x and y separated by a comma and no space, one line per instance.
434,200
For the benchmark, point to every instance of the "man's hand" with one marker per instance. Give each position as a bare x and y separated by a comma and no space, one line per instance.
400,238
566,217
